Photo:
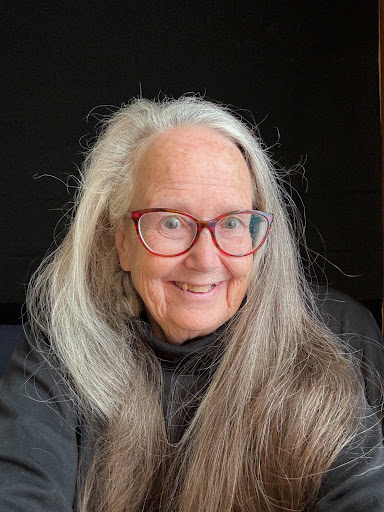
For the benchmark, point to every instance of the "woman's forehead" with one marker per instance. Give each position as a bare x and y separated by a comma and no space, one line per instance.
191,160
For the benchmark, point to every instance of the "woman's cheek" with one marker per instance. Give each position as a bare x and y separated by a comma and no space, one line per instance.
150,290
238,284
236,291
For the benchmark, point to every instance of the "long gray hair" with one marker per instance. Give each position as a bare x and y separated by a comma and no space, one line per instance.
282,402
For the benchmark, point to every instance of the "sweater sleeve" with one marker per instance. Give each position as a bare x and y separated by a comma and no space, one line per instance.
355,483
38,440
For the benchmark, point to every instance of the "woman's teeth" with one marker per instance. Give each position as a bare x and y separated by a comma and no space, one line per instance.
194,288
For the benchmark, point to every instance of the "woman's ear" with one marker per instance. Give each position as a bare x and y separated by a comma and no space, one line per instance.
121,243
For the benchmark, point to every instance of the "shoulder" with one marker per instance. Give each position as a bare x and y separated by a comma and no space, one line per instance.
39,432
353,323
34,382
345,315
359,333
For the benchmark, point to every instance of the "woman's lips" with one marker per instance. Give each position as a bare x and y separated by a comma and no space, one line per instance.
188,287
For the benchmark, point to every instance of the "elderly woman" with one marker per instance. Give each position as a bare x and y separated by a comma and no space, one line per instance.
176,359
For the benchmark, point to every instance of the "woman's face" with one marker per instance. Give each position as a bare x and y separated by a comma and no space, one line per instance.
200,172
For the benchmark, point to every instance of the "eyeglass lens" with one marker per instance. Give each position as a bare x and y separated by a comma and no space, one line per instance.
172,233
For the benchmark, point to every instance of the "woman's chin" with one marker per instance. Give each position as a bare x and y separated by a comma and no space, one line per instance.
190,329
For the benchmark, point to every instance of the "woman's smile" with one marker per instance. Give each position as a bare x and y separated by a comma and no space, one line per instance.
189,291
195,288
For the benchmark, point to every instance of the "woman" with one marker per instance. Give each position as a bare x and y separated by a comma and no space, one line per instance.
178,360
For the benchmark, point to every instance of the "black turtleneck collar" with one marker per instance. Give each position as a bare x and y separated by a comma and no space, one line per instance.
187,370
175,354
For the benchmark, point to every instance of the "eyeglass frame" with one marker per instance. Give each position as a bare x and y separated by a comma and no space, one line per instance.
136,215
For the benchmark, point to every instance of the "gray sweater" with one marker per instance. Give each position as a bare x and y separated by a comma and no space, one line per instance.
44,448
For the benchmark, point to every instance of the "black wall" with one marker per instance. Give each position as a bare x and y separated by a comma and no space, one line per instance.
306,70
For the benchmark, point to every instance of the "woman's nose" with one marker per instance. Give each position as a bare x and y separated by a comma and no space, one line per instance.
203,255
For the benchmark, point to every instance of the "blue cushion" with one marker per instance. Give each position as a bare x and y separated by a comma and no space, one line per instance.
10,335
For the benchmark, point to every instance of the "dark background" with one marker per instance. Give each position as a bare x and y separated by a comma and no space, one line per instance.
306,70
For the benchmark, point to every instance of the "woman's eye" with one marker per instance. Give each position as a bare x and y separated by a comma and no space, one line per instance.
172,223
231,223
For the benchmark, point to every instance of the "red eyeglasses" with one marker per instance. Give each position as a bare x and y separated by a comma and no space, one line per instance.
166,232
